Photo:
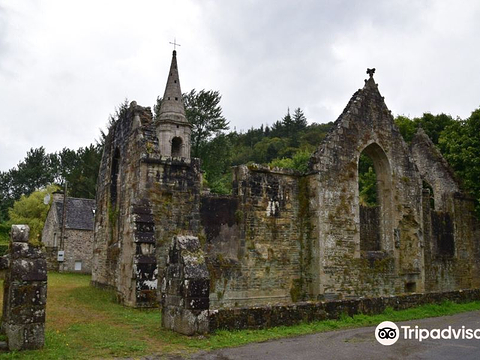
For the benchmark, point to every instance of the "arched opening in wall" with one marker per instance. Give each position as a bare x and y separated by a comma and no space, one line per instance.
114,177
177,147
374,185
428,189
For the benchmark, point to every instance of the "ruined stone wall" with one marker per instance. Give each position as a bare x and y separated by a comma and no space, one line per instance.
435,171
119,194
459,269
451,230
173,186
262,317
366,125
253,241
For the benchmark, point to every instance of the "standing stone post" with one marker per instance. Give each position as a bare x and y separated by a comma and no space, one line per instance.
25,293
186,287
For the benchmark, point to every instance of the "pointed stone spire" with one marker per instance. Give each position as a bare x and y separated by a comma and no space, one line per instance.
173,129
172,108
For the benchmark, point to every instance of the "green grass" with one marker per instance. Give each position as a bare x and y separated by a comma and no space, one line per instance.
85,322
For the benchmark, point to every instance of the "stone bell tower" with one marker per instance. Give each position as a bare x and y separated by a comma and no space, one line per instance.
173,128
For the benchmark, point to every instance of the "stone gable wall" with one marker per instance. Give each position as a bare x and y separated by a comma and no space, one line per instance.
366,124
115,249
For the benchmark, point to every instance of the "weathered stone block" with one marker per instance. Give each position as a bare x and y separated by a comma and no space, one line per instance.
144,237
196,303
185,288
27,314
197,288
20,233
25,250
25,337
32,293
25,269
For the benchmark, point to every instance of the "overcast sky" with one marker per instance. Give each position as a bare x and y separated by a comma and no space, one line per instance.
66,65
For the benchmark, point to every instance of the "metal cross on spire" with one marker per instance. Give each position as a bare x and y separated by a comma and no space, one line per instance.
174,43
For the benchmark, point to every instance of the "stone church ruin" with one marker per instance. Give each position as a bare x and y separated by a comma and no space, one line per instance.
282,237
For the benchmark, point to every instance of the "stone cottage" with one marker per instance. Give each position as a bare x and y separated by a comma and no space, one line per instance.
281,237
70,247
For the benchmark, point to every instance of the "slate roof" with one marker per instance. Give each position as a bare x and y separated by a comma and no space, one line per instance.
79,213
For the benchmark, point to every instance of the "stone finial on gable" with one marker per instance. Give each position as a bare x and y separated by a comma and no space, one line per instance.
371,72
370,82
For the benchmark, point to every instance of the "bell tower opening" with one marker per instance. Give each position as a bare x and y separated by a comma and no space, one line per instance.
374,185
177,147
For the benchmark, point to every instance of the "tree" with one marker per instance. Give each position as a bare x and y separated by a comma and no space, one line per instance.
34,172
298,162
216,162
6,198
460,145
31,210
432,124
204,112
367,181
299,120
407,127
83,177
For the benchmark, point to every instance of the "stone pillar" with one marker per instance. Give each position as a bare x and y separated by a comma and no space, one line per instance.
25,293
186,288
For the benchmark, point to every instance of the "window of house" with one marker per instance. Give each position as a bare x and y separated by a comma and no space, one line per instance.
78,265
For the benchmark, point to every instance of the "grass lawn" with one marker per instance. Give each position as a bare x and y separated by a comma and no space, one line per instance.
84,322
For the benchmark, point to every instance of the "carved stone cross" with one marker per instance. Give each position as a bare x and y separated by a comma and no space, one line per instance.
371,72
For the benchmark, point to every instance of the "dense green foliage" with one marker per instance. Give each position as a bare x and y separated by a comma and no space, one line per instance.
458,141
32,211
460,144
39,169
4,233
367,181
